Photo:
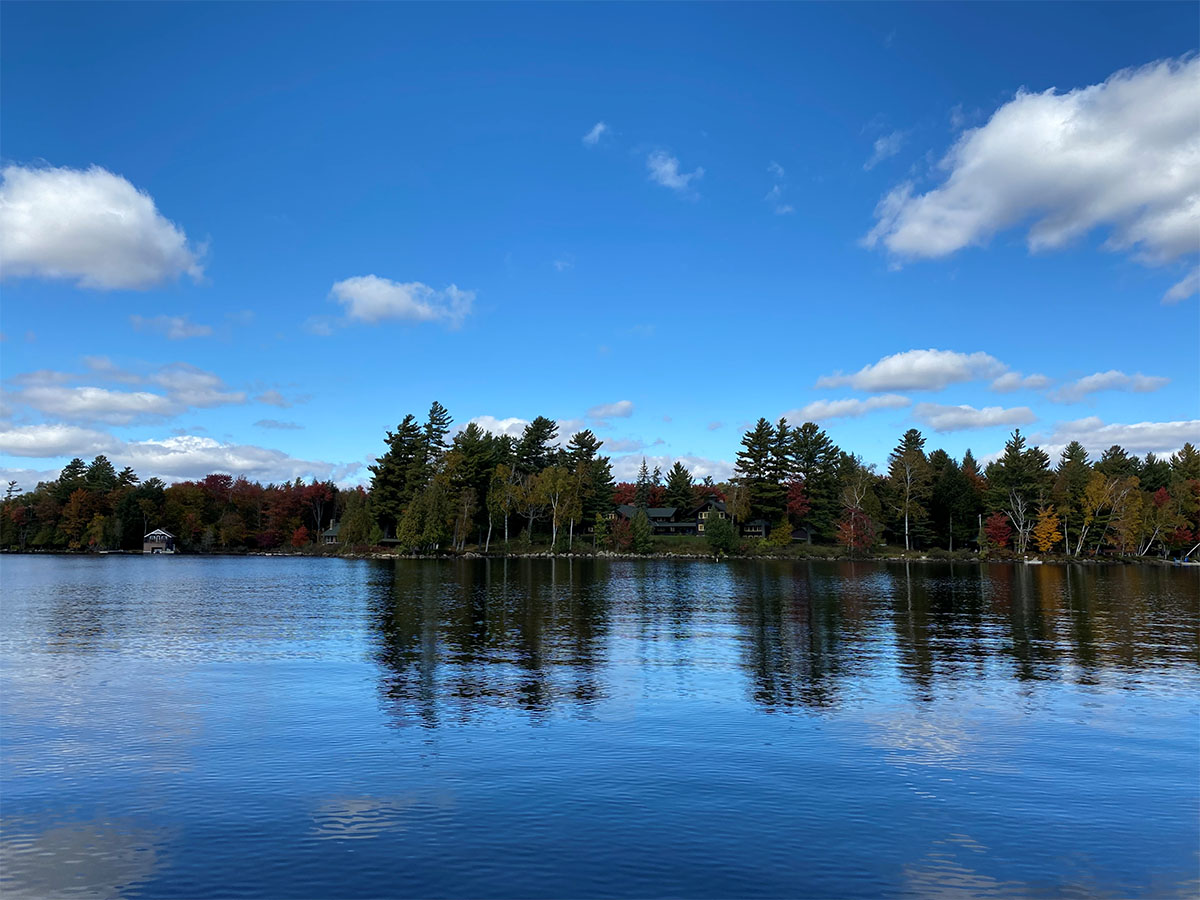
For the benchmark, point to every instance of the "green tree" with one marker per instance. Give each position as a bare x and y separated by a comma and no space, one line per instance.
680,492
641,494
393,481
758,468
1018,484
720,534
815,461
909,477
642,533
534,450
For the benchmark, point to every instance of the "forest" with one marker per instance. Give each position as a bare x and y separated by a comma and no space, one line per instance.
436,490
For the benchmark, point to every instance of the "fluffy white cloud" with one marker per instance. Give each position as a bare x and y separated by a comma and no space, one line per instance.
917,370
1184,288
622,409
49,441
369,298
664,170
172,459
1162,438
1015,381
511,426
959,418
1112,380
592,138
90,226
1122,155
96,403
175,328
183,387
887,146
850,407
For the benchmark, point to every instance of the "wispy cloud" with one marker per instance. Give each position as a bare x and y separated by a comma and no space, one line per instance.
959,418
369,298
1112,380
849,407
884,147
174,328
664,169
592,138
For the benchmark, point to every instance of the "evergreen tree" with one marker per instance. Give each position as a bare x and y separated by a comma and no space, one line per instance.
909,478
392,477
641,494
642,533
1116,463
1018,484
815,460
100,475
757,469
535,450
70,479
680,493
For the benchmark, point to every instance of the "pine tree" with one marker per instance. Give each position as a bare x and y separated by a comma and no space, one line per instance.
757,469
641,495
392,477
534,450
680,493
642,533
908,477
815,463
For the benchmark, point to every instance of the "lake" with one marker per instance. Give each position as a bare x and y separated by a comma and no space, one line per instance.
296,727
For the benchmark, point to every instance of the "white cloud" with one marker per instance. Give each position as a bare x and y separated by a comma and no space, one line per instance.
171,459
664,170
369,298
1015,381
96,403
90,226
48,441
622,409
511,426
850,407
1184,288
917,370
1122,155
564,263
887,146
592,138
276,425
775,194
173,327
185,387
1162,438
1112,380
959,418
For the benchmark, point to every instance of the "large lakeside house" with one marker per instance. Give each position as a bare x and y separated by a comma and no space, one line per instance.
676,520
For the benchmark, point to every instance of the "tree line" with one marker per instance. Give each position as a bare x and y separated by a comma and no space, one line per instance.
432,490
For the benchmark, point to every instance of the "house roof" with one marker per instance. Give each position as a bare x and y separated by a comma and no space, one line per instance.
652,512
332,530
159,533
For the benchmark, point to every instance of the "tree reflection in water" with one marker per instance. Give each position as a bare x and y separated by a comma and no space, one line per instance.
456,639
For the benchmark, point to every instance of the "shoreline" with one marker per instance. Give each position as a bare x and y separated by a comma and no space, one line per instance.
973,559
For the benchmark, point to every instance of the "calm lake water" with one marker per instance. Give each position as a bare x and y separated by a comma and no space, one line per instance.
285,727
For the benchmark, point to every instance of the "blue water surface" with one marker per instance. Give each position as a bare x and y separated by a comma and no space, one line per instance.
291,727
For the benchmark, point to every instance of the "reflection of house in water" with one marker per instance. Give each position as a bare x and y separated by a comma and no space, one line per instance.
158,541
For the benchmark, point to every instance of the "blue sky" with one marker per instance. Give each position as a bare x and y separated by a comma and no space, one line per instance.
249,238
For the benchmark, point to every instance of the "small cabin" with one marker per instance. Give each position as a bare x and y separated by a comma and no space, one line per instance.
330,534
158,541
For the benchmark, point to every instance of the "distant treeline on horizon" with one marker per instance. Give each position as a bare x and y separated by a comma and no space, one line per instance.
432,492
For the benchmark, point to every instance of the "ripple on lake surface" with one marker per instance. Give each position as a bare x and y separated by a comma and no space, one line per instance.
286,727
